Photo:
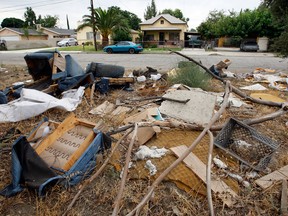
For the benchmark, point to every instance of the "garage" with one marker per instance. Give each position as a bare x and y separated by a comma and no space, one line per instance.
10,38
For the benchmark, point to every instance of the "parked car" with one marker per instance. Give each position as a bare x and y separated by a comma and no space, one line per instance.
195,41
67,42
124,46
249,46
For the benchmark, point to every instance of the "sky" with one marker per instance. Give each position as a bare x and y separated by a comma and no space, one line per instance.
196,10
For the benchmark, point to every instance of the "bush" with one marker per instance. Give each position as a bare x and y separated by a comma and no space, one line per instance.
88,43
191,75
280,44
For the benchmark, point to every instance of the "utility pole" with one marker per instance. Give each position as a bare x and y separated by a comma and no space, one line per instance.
93,24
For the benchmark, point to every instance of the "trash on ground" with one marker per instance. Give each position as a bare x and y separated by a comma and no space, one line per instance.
65,156
258,149
201,103
33,102
151,167
267,97
218,68
199,168
105,108
271,179
145,152
255,87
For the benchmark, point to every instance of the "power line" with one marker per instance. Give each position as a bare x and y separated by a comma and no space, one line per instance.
26,4
22,8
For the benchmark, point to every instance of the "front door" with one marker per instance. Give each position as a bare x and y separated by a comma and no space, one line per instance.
161,38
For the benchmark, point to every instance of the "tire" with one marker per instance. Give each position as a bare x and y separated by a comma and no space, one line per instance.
67,44
76,44
109,51
131,51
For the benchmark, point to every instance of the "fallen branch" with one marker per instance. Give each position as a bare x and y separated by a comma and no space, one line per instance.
161,98
208,174
93,177
234,89
184,155
125,172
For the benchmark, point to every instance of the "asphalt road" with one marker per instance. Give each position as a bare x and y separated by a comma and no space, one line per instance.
241,62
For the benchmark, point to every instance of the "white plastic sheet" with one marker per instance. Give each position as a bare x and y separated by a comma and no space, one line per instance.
33,102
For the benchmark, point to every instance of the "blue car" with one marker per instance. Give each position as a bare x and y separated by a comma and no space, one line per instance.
124,46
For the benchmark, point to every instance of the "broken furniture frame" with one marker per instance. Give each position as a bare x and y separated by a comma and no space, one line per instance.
69,123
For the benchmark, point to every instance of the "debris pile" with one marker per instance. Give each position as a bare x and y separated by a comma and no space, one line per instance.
147,129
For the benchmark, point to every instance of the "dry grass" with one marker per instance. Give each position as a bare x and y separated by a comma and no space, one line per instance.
98,197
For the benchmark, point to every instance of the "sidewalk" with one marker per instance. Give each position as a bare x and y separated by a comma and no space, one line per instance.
222,51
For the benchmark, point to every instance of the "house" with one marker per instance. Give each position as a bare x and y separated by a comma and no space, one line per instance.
19,34
86,35
56,32
164,29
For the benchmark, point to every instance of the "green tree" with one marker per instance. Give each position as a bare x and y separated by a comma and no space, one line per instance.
12,22
48,21
132,19
30,18
121,35
279,10
207,28
106,21
176,13
245,24
150,11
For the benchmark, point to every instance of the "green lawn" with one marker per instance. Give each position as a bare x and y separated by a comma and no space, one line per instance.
91,49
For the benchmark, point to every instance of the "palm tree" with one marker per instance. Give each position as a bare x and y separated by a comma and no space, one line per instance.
106,21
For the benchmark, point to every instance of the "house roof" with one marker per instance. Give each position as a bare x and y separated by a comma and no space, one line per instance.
168,17
21,31
161,29
60,31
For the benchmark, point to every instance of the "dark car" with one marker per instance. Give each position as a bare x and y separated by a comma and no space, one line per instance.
195,41
124,46
249,46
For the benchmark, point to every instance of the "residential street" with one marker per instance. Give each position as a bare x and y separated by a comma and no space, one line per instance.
241,62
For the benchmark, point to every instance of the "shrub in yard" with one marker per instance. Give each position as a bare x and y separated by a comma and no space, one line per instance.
191,75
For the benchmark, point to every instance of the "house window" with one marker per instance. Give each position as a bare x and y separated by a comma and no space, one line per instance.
149,37
162,22
89,35
98,36
173,36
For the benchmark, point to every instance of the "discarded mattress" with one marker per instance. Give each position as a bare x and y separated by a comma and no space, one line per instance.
65,156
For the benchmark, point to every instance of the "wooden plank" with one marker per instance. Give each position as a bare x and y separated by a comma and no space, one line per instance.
269,180
121,80
199,168
54,67
58,62
284,211
284,171
75,156
66,125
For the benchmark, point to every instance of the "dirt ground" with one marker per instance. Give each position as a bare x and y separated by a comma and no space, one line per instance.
168,199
